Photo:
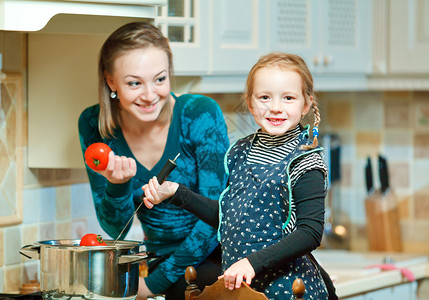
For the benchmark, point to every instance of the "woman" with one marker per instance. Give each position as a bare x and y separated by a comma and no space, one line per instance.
145,125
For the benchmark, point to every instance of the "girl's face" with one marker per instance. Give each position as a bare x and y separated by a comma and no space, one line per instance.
277,102
141,80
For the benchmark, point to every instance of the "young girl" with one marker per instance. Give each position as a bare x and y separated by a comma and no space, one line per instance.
270,216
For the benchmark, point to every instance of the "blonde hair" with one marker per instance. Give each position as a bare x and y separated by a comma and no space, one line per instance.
131,36
294,63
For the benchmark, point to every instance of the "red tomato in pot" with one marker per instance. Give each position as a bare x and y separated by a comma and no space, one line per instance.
97,156
92,239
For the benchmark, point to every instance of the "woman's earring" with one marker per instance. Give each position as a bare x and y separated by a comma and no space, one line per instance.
113,95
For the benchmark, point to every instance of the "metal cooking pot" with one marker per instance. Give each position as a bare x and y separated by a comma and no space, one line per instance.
68,270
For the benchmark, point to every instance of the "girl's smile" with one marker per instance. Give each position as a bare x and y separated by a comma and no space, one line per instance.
276,122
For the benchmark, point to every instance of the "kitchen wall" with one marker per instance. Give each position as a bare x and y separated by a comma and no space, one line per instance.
57,202
394,124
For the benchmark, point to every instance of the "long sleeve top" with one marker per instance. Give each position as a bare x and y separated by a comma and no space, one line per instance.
198,132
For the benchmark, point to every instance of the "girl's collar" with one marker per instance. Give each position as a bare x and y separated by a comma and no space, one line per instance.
269,139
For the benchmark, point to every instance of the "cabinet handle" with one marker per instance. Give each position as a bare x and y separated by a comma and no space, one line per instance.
327,60
316,60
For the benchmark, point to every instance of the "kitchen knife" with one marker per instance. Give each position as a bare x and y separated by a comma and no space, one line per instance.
368,177
383,173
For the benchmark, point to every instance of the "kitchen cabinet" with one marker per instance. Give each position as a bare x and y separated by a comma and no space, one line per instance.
62,81
239,35
401,45
334,37
215,37
33,15
408,36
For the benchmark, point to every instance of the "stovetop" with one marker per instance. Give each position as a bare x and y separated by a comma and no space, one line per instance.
32,296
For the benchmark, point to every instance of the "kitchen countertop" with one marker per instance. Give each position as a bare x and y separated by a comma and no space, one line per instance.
354,272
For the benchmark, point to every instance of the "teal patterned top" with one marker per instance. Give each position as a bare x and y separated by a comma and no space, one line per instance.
198,131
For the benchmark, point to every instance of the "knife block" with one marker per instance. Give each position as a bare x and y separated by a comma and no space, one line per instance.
383,226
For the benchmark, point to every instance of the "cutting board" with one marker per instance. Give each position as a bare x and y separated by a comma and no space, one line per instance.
383,224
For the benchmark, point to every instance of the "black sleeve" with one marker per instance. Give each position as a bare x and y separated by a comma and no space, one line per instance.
309,196
204,208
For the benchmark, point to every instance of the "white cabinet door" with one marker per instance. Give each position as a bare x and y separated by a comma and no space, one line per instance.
332,36
186,23
345,36
292,28
239,35
409,36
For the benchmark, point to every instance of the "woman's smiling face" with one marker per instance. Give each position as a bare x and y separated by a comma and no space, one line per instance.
277,103
141,80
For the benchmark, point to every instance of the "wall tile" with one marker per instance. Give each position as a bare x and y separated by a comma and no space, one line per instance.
420,180
12,243
421,145
421,205
12,279
63,205
2,245
397,114
339,114
398,95
63,230
30,234
399,175
346,175
1,279
398,145
79,228
47,205
31,271
30,206
368,114
368,143
47,231
94,226
81,200
421,121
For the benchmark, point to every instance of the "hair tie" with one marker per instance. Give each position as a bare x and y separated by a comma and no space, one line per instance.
315,131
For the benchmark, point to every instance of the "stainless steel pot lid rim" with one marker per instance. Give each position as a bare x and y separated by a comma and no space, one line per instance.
73,243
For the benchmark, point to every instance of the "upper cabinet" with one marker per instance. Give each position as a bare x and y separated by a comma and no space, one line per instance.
215,37
332,36
33,15
218,41
186,24
239,35
409,36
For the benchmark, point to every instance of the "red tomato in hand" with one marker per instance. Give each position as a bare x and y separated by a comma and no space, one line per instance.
92,239
97,156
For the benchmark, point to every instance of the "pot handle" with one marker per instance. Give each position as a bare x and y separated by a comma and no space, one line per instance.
30,251
134,258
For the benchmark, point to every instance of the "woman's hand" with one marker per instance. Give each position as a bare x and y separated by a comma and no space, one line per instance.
156,193
120,169
237,273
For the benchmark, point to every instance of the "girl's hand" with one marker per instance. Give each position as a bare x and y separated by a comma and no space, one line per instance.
239,271
120,169
155,193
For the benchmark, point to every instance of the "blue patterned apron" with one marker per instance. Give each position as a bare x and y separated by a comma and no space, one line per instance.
254,213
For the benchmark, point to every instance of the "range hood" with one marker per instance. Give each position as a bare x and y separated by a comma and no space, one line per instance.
33,15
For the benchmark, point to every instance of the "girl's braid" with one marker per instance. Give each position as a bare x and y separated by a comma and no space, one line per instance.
316,114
